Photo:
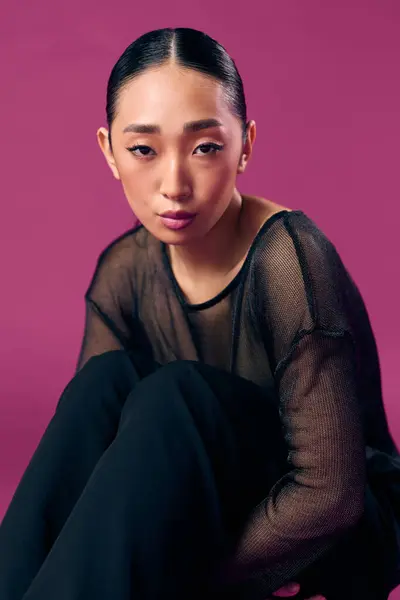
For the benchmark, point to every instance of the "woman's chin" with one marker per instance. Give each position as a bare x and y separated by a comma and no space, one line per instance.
174,235
175,238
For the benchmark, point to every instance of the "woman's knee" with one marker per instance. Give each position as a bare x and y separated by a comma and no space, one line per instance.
176,389
107,362
109,373
168,386
176,368
187,375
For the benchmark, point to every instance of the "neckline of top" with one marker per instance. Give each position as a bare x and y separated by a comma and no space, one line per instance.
233,283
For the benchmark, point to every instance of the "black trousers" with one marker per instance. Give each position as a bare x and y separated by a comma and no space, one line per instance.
141,482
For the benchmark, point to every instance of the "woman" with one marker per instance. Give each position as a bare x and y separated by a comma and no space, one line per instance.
224,433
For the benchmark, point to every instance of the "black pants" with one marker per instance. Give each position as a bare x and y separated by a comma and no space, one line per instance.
140,484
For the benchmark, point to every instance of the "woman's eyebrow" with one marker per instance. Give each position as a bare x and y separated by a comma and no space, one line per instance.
190,126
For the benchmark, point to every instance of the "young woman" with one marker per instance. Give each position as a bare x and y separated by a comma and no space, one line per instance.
224,433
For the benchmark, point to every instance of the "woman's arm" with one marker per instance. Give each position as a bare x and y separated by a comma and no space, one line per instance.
109,304
313,352
322,495
99,334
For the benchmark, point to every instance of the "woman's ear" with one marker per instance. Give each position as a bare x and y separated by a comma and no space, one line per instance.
104,143
247,146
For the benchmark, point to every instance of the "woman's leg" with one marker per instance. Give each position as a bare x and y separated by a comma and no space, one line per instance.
83,426
196,450
152,521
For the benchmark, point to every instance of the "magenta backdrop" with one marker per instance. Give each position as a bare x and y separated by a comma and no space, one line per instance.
322,82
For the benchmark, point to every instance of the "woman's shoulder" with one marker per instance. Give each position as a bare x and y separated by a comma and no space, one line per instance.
296,267
264,218
261,206
279,224
127,248
287,238
123,260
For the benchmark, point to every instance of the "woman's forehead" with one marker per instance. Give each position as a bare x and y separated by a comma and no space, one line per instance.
172,81
152,99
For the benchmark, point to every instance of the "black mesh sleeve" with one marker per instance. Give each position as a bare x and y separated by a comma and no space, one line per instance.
303,311
109,304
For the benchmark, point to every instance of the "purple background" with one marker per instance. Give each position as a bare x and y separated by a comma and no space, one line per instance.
322,83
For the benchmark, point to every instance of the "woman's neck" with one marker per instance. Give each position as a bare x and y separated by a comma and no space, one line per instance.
215,253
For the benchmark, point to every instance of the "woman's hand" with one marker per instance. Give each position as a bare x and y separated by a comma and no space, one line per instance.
291,589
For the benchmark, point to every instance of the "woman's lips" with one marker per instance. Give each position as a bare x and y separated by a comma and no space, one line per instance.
174,223
177,220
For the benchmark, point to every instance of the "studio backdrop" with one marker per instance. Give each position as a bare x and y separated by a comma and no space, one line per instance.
322,83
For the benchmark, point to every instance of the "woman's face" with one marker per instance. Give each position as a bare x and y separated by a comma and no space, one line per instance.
173,167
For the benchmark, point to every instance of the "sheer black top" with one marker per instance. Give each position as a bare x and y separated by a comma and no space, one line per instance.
292,321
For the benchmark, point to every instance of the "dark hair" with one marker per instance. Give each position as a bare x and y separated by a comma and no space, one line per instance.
187,47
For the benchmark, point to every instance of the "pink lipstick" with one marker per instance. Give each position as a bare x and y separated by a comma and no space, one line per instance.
177,219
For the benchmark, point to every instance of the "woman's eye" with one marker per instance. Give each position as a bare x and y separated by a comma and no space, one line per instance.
144,150
141,148
215,147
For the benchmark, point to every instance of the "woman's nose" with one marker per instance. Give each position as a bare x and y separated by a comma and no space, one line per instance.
175,184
